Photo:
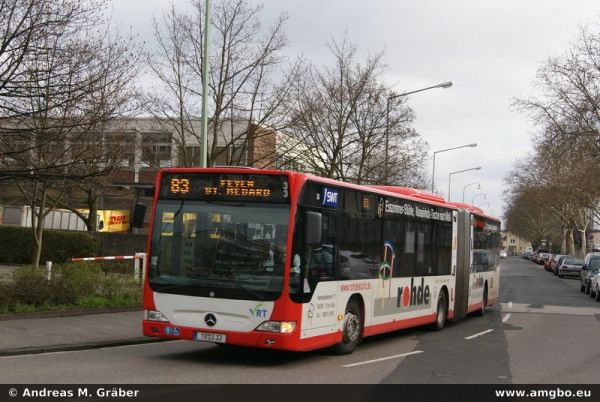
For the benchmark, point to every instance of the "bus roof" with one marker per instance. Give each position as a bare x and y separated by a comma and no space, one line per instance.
474,210
404,192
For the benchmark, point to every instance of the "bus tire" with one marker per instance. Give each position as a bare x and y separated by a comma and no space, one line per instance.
351,327
484,302
441,312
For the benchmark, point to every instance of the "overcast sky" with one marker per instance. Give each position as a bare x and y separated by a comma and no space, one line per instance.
490,50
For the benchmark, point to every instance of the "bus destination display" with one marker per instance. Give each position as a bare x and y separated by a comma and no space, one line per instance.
225,187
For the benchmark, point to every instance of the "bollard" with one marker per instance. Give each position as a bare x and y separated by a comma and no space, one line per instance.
140,260
48,270
136,268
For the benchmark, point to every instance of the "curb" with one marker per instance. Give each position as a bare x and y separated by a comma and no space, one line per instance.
80,346
67,313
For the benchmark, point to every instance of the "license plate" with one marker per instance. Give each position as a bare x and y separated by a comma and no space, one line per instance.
210,337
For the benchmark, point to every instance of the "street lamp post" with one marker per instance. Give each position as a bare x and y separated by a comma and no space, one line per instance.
470,184
459,171
444,150
443,85
204,117
475,196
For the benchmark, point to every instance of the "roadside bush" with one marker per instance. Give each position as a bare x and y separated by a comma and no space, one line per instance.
29,286
82,279
6,297
121,287
17,245
59,293
61,245
75,285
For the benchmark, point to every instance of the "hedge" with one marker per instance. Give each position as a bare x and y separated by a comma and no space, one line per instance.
17,245
75,285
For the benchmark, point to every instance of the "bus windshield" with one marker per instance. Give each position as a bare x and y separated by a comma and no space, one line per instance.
219,249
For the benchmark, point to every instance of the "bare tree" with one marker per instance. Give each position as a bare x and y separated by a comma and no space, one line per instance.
22,23
340,113
525,217
244,93
78,79
566,109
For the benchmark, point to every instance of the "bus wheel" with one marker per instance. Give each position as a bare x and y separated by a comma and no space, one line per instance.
441,312
484,303
352,328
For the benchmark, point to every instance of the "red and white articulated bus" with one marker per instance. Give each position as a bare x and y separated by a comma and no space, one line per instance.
285,260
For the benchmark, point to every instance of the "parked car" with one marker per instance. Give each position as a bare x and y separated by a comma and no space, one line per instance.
557,261
595,286
503,254
570,267
591,265
527,255
539,253
542,258
548,262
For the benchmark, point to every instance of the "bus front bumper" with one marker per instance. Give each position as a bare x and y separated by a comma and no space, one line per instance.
256,339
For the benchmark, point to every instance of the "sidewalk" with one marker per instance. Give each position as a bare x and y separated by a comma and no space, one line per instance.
6,269
89,331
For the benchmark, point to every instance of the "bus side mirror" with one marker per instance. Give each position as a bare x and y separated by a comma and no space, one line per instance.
139,212
313,222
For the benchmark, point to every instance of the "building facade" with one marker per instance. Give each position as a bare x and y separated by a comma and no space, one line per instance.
513,244
143,145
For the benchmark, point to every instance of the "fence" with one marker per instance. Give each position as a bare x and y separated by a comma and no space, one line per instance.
139,263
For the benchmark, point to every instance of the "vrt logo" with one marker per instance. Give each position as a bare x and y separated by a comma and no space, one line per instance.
258,312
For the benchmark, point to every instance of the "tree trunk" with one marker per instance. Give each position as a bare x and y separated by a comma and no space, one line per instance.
583,243
570,247
563,246
93,207
37,226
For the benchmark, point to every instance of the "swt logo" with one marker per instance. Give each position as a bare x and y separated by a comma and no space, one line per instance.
258,312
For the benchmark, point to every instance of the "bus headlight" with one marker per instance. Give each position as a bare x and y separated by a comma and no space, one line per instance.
281,327
153,315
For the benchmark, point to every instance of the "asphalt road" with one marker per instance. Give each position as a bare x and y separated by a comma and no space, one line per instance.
542,331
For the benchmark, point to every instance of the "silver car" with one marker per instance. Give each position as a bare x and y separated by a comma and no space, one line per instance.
591,265
570,267
595,286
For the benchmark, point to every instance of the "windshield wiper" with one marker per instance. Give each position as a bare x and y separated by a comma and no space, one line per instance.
226,204
162,288
241,286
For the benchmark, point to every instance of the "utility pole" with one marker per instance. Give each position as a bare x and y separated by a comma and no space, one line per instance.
204,122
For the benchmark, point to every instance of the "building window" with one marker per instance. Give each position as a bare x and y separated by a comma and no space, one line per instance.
188,156
156,150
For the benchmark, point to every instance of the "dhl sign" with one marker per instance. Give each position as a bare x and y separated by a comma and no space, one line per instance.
112,220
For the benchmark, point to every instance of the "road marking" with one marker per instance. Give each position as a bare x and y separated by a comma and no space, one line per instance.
506,317
479,334
548,309
383,358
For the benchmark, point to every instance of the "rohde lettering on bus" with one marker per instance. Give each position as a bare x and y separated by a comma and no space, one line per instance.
330,197
413,295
